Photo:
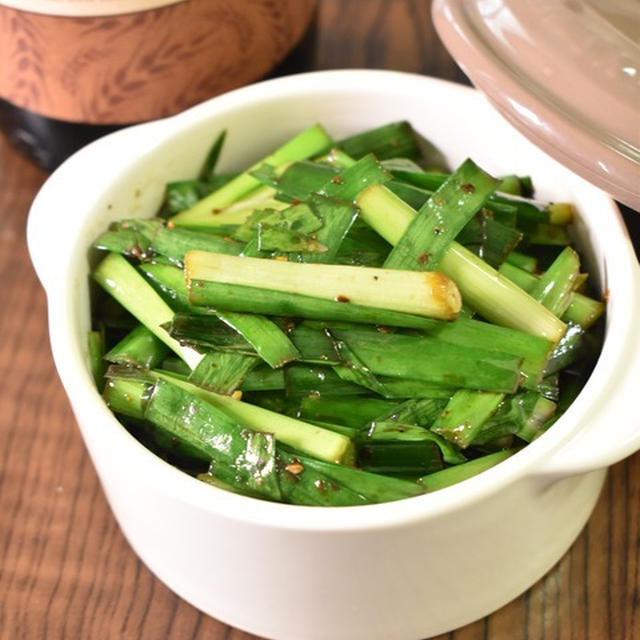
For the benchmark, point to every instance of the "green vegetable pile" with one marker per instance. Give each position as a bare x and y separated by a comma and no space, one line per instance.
341,323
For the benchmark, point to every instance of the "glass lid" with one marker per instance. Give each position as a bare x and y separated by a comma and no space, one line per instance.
565,72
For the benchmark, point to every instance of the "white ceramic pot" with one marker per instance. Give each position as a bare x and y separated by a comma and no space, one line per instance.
401,570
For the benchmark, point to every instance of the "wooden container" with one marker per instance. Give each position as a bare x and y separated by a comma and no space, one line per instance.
124,61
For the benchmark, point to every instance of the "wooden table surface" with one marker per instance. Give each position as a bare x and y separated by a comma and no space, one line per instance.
66,571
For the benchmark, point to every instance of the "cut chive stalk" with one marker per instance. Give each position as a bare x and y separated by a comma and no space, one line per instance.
414,175
95,344
416,448
413,196
290,226
168,280
277,232
416,411
344,410
523,278
231,297
301,483
362,247
526,210
309,142
550,387
301,179
302,380
240,457
427,294
127,241
268,174
262,198
269,341
173,364
442,218
517,413
403,164
374,487
354,179
208,166
182,194
135,294
139,348
581,309
271,400
350,432
561,213
534,350
553,288
512,184
127,397
209,478
254,468
208,331
546,234
337,158
305,481
538,420
393,140
225,221
465,414
571,347
354,370
229,331
496,298
486,290
263,378
173,242
580,281
460,472
336,209
400,456
385,212
528,263
402,388
489,239
434,361
398,432
337,215
222,371
310,439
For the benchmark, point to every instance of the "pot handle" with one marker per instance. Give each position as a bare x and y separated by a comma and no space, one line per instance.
62,201
611,430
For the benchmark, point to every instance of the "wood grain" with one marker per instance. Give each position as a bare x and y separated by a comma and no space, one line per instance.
66,571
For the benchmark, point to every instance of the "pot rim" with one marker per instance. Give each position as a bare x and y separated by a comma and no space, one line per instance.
85,399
